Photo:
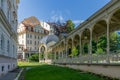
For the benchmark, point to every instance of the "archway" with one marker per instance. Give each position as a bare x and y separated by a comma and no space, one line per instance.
42,55
69,46
115,32
76,43
99,43
85,39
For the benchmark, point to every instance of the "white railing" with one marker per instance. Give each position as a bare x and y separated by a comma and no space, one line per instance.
91,59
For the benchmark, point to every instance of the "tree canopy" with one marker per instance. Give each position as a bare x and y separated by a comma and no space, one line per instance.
70,25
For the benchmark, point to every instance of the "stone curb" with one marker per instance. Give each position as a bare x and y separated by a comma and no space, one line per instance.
19,74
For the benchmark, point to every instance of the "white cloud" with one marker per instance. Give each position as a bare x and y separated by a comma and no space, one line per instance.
58,16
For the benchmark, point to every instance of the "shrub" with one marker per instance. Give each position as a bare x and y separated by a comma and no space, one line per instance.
34,58
99,51
74,52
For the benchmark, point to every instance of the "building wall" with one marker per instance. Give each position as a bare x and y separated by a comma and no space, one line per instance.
45,25
8,36
30,39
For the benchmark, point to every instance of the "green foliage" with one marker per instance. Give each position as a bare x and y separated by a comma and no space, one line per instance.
114,41
102,43
42,56
78,48
99,51
74,52
85,48
50,56
70,25
94,46
34,57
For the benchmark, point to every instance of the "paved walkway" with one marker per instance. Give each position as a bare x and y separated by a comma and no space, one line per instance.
10,75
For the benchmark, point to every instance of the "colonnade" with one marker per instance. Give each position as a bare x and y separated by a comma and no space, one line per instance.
101,23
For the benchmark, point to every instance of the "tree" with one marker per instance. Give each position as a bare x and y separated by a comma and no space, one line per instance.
94,46
114,41
102,43
70,25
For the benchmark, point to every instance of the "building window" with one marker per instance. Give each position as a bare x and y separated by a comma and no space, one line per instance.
27,35
13,50
27,41
30,48
38,37
2,42
13,65
9,10
2,68
8,14
30,35
30,42
23,36
2,3
35,42
8,67
8,45
22,41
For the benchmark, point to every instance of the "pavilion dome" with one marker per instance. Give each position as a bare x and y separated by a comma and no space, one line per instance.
49,40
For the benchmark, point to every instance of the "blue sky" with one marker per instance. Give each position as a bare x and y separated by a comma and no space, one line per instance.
53,10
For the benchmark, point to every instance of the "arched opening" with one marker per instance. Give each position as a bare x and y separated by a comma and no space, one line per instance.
42,53
76,44
115,32
85,39
69,51
99,42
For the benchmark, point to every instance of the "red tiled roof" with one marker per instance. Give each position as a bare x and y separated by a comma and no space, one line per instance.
31,21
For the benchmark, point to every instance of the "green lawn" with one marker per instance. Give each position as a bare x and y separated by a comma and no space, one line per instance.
51,72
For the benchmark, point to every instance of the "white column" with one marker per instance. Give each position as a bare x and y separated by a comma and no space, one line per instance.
66,49
90,49
58,55
23,55
62,53
80,47
97,48
90,41
54,55
108,42
72,46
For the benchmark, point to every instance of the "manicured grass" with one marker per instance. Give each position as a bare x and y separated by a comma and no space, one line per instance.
28,64
50,72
